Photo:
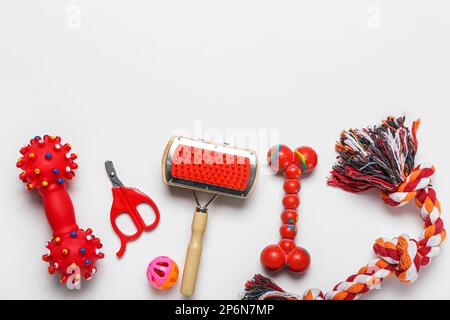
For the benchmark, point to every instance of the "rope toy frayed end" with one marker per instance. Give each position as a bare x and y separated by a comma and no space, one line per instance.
263,288
375,157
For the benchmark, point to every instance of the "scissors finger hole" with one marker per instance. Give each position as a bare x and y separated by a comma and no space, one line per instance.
147,213
126,224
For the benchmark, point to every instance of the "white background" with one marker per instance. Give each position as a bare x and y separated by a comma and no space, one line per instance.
117,78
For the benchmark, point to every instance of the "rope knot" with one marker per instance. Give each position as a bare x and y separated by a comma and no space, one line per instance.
403,256
418,180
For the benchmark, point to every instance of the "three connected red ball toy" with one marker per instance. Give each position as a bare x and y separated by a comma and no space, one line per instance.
293,164
46,164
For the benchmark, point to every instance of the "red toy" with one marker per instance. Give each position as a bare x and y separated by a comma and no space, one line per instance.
46,164
286,253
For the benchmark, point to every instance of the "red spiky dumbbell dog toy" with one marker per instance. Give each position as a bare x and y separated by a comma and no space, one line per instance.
46,164
293,163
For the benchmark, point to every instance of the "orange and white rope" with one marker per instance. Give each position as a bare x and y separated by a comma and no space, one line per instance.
401,256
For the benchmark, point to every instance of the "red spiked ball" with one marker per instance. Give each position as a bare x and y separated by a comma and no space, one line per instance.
306,158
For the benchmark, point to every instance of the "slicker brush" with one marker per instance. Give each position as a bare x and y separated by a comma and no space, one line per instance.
214,168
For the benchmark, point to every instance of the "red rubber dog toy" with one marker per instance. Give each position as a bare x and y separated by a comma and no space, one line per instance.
46,164
286,253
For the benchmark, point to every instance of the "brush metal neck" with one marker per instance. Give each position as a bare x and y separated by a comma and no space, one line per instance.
202,209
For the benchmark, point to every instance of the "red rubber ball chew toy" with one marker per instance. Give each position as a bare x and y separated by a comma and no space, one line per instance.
280,157
306,158
46,164
292,164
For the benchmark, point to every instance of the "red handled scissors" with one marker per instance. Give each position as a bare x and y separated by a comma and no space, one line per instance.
125,201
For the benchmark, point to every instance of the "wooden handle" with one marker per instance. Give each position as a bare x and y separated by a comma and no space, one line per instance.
194,253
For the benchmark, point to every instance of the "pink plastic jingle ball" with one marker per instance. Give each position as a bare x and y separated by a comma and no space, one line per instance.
162,273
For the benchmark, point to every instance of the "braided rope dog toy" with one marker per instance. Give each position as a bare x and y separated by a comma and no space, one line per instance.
379,157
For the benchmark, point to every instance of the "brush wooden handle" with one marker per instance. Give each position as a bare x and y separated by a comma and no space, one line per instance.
194,253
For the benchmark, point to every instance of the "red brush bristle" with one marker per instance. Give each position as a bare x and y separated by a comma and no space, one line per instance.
211,167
